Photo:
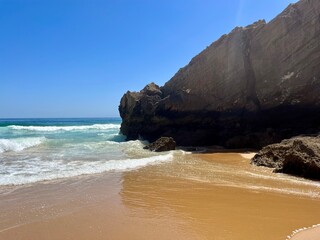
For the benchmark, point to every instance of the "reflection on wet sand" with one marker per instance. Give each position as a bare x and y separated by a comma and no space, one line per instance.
82,208
222,196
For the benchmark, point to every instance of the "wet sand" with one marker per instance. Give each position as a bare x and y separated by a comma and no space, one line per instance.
196,196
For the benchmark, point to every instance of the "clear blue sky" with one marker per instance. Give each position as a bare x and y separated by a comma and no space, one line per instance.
76,58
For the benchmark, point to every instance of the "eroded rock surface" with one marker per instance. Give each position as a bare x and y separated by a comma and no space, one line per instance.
252,87
298,156
162,144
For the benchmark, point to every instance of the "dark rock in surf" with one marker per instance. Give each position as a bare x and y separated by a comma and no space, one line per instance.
162,144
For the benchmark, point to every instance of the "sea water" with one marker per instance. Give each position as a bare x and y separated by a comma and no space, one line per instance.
33,150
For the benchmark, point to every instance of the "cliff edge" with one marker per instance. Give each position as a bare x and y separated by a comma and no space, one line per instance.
254,86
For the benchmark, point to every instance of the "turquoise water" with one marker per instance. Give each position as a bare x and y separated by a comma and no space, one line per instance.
33,150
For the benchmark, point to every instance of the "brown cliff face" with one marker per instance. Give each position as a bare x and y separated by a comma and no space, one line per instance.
257,85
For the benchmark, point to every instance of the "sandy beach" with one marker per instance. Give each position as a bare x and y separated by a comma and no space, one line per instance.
312,233
197,196
160,120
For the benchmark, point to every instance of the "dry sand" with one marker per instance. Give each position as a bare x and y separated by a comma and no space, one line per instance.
311,233
247,155
203,196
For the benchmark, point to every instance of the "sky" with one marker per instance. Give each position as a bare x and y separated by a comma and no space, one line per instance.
76,58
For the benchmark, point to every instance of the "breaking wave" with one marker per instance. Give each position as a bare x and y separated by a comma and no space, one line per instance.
75,168
19,144
66,128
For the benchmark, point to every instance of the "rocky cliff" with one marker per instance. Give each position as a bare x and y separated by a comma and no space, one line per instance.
254,86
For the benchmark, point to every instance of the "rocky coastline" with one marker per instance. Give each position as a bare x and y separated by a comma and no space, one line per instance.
253,87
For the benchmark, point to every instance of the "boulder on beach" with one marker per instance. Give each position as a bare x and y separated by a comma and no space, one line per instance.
162,144
299,156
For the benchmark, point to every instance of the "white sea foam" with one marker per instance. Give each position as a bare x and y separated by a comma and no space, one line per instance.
66,128
19,144
38,170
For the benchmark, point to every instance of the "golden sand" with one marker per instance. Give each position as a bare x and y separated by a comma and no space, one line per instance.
203,196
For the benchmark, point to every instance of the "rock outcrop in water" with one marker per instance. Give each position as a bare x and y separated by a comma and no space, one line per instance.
252,87
298,156
162,144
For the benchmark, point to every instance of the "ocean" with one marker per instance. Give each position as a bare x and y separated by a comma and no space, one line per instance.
33,150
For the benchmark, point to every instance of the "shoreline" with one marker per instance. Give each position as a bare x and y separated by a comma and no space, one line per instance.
306,233
187,198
